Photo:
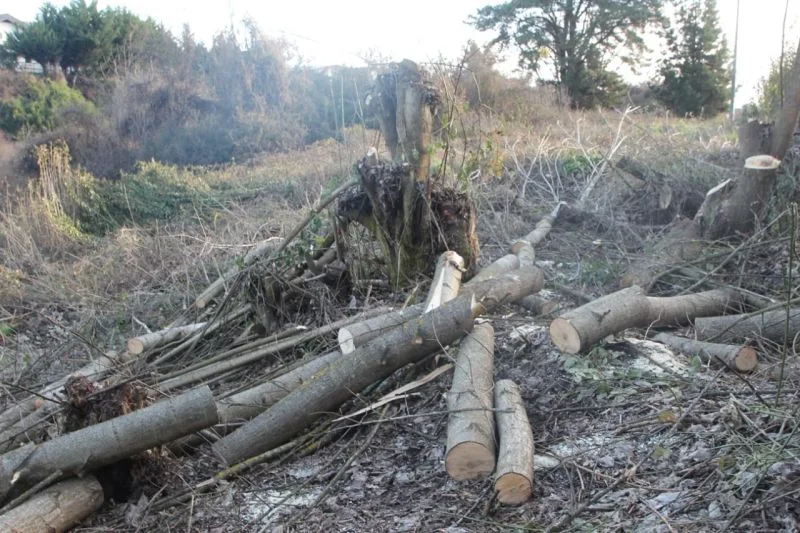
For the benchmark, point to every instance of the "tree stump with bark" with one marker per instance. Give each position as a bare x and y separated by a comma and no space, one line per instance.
412,218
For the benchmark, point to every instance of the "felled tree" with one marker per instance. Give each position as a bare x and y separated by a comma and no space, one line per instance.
412,218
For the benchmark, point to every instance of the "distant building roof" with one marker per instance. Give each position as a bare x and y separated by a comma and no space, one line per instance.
5,17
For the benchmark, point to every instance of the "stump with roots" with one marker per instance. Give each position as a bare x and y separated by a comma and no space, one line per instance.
412,218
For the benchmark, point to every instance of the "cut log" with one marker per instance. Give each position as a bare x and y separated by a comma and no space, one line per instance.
336,383
57,508
738,358
524,252
505,264
770,325
156,339
580,329
743,207
254,401
513,481
108,442
537,304
359,334
470,427
446,280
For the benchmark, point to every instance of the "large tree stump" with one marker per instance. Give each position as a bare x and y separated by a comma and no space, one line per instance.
411,218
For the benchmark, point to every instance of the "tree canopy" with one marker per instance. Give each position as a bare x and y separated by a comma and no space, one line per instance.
572,39
80,38
695,74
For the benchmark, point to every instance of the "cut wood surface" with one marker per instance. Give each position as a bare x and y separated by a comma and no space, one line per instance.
108,442
470,428
580,329
739,358
143,343
446,280
771,325
57,508
336,383
513,481
360,333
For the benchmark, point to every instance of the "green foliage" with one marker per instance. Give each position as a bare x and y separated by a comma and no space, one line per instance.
769,88
696,77
40,107
79,38
574,40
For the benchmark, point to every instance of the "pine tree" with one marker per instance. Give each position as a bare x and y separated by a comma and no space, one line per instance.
696,75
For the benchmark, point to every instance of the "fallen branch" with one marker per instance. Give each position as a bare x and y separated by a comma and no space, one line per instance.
219,284
352,373
739,358
513,481
57,508
470,426
580,329
537,304
105,443
358,334
199,373
156,339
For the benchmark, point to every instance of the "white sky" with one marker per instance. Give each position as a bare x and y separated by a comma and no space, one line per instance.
340,31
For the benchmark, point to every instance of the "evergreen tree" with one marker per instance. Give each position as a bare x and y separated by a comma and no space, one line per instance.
696,74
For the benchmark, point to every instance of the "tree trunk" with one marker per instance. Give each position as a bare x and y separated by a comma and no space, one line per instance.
147,342
513,480
446,280
108,442
787,119
352,373
580,329
738,358
775,326
470,427
57,508
741,209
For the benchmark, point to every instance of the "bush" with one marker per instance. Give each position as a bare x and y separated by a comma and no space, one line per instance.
40,107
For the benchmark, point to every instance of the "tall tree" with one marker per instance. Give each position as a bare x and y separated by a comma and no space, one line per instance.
572,39
695,75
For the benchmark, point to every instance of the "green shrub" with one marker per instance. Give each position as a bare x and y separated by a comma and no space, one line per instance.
40,107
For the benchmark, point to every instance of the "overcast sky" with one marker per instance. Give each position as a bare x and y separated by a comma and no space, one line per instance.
334,32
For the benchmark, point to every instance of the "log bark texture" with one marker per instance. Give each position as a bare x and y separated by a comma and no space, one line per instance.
743,207
336,383
580,329
502,266
537,304
513,480
771,325
470,428
738,358
57,508
105,443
